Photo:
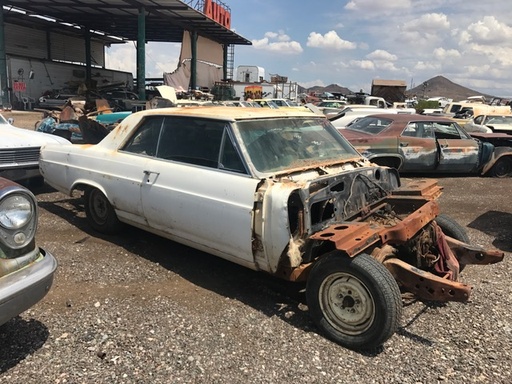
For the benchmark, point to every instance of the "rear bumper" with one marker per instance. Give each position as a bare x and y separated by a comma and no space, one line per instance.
22,289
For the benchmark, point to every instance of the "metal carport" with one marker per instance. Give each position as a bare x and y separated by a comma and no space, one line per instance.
137,20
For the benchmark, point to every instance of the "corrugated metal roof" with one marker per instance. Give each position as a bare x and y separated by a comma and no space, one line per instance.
165,21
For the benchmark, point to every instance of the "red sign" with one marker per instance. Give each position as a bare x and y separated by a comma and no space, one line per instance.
217,13
19,86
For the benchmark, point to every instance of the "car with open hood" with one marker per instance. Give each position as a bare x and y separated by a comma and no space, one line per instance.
278,191
427,145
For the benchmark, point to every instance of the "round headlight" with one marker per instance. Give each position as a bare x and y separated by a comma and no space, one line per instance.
15,211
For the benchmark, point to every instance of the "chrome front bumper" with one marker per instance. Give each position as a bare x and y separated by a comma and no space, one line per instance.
24,288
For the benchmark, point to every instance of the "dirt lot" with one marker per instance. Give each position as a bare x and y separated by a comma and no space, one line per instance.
136,308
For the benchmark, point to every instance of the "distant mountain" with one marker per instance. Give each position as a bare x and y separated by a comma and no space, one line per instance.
441,86
329,88
436,86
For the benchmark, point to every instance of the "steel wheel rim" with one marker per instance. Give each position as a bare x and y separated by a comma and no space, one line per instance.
347,303
99,206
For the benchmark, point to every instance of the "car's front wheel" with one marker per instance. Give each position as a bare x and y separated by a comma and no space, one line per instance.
100,213
354,301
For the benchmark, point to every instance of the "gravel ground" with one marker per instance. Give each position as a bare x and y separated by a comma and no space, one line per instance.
136,308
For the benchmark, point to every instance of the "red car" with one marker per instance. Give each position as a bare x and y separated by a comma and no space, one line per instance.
426,144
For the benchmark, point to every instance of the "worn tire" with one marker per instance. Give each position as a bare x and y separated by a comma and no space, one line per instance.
453,229
100,213
354,301
502,167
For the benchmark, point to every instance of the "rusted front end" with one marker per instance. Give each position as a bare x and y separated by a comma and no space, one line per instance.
401,232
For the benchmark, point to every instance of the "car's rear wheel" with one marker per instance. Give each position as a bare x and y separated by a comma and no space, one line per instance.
100,213
354,301
502,167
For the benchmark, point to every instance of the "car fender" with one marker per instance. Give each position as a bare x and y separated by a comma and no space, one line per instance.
499,152
83,184
274,233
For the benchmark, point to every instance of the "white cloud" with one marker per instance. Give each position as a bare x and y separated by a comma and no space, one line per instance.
444,54
385,66
488,31
362,64
277,42
431,23
377,6
426,66
381,54
330,40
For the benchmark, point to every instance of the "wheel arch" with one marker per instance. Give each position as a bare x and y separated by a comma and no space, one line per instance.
84,184
499,153
387,160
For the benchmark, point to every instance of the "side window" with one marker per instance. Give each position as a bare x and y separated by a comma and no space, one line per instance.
410,130
191,140
478,120
145,139
446,131
419,129
200,142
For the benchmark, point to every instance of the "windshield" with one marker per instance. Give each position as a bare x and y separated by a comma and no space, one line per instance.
279,144
499,120
369,124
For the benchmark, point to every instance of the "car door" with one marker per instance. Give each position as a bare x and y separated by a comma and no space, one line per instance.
198,190
458,152
417,146
126,170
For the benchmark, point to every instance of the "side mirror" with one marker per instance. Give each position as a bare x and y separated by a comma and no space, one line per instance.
10,120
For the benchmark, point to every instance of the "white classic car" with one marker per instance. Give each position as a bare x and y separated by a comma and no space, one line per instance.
281,192
19,151
490,123
26,271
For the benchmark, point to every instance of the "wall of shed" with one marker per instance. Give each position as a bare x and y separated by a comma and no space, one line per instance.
33,43
49,75
207,50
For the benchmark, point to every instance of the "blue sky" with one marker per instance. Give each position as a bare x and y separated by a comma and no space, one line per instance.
349,43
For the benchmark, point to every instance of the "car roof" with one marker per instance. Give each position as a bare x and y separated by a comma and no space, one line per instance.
406,117
229,113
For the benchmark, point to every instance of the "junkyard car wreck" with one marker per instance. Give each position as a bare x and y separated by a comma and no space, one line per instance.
281,192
